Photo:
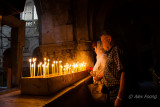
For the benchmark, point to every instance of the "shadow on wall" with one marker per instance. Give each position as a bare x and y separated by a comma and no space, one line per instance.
132,26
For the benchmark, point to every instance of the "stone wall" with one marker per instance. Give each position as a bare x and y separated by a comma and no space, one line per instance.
69,52
64,31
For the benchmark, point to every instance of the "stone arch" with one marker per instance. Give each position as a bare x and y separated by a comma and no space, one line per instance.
37,54
32,47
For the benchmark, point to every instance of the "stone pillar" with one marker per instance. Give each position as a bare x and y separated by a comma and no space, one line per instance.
17,43
17,54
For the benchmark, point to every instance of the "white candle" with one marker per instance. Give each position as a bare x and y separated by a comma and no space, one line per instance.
52,68
34,61
44,59
61,69
44,71
30,60
76,67
64,69
57,67
48,66
73,67
38,70
70,68
35,67
32,70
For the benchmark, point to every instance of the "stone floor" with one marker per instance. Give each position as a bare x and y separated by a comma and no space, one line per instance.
75,95
15,99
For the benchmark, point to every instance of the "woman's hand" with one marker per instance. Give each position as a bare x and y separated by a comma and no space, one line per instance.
97,78
91,73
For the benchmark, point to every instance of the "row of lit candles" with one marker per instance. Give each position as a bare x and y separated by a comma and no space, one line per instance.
57,68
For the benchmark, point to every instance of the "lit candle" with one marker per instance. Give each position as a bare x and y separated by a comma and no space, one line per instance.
73,67
44,59
34,61
57,67
52,68
32,71
67,68
38,70
35,67
30,60
85,64
47,69
64,69
76,67
61,69
48,66
70,68
44,71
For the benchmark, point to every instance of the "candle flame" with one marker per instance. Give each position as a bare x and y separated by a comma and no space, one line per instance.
30,60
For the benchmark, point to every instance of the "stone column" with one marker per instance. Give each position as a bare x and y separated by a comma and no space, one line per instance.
17,43
17,53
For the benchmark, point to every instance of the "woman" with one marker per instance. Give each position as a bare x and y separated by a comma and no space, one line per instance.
99,65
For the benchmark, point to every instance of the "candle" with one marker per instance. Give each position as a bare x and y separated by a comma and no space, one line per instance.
67,68
57,67
61,69
34,61
44,72
44,59
52,68
76,67
70,69
85,64
38,70
48,66
32,71
64,69
47,69
73,67
30,60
